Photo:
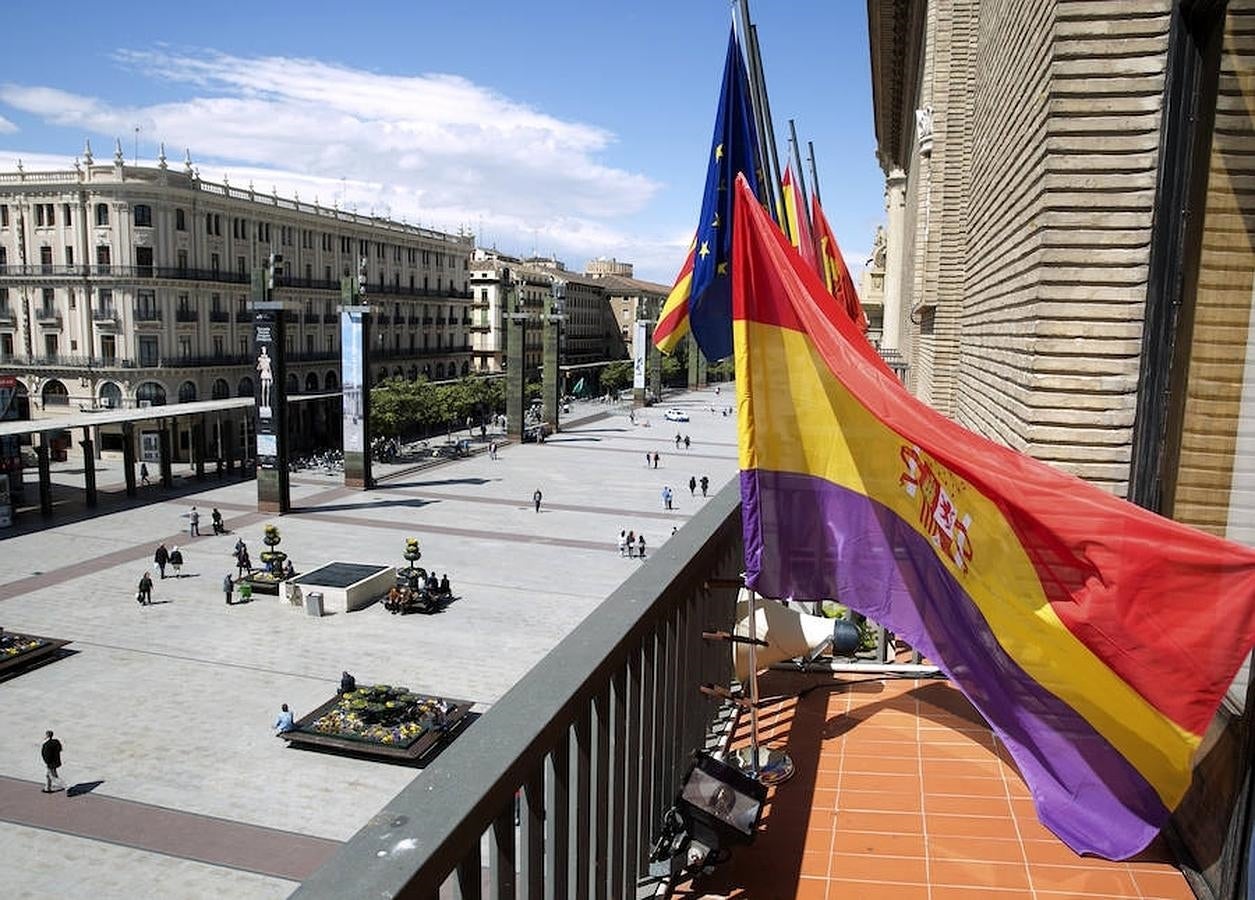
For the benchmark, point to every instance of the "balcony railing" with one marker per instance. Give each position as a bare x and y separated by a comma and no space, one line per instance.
105,315
186,315
243,315
317,284
58,361
312,318
330,318
108,270
143,314
221,359
48,318
597,736
383,319
313,356
219,315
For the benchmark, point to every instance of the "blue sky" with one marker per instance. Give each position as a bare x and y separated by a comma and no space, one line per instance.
575,128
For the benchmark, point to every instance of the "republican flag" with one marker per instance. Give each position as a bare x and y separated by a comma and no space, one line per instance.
832,266
705,301
1096,638
795,212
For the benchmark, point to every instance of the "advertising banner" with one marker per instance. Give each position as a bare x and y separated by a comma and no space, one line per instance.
268,364
640,346
351,378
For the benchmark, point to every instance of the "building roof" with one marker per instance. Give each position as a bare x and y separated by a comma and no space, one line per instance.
619,284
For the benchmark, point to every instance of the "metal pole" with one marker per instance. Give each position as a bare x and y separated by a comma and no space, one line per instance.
810,146
753,645
767,192
771,128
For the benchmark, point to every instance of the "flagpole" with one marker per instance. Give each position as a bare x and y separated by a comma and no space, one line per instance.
771,128
762,161
810,148
804,208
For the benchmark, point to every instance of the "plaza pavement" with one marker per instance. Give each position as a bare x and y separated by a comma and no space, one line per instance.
165,711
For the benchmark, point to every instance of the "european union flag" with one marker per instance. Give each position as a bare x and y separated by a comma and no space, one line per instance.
733,151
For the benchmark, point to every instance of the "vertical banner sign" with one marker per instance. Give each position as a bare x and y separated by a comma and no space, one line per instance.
638,363
351,378
270,372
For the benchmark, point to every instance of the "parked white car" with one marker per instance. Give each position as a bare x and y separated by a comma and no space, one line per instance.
674,414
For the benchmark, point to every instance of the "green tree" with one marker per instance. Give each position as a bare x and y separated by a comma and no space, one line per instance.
617,376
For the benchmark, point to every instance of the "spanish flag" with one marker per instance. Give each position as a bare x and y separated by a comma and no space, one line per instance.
1096,638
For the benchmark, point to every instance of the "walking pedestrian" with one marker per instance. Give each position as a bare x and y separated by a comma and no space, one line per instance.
176,561
143,473
243,565
536,497
216,518
631,544
228,587
50,751
686,442
622,543
649,458
692,486
705,485
145,594
161,557
677,440
193,523
640,545
666,497
655,460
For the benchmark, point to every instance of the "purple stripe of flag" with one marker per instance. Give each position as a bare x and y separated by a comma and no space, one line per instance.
800,529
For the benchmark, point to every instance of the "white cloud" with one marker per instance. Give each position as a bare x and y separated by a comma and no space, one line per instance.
432,148
6,127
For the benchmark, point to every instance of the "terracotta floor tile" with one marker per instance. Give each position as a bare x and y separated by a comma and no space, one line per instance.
823,780
847,889
963,768
945,804
1075,879
1055,852
879,765
964,786
971,892
864,781
978,874
898,870
867,747
874,820
824,799
1166,885
815,863
974,849
970,826
878,800
811,889
878,843
819,839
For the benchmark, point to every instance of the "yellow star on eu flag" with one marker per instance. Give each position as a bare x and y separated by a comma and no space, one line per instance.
704,251
719,151
721,269
715,223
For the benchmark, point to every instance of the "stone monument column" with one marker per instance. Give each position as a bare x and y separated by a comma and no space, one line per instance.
515,376
550,383
269,355
895,239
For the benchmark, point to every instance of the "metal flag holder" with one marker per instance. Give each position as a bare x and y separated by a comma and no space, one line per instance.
768,765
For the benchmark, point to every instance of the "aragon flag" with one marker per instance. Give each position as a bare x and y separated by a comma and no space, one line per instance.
798,216
1096,638
705,302
834,270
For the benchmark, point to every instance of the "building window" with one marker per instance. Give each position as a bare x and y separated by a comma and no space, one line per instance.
51,347
6,346
45,260
73,298
105,297
49,301
102,214
45,214
180,220
219,348
4,216
185,347
150,394
239,266
213,263
65,213
103,257
108,347
187,392
69,256
181,260
143,216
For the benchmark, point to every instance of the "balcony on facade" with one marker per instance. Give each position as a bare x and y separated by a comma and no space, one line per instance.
219,316
147,314
109,270
65,361
330,318
105,316
186,315
49,318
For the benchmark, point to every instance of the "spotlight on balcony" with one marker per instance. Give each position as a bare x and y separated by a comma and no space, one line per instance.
718,807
